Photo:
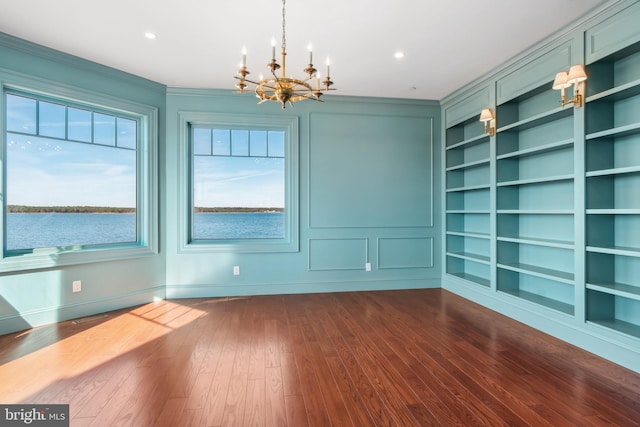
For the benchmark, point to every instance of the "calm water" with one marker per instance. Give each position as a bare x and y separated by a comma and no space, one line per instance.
238,225
26,231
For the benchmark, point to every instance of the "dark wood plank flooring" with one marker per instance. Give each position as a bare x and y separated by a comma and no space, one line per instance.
388,358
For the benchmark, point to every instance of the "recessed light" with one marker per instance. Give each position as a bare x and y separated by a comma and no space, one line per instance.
399,54
150,35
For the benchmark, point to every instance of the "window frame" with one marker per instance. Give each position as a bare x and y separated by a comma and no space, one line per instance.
288,124
146,116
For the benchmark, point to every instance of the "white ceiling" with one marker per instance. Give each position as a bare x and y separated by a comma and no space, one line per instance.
447,43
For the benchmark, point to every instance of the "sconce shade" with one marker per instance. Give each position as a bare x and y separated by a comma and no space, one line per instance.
576,74
486,115
561,81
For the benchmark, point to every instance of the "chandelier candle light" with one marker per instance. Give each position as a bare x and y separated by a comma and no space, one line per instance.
281,88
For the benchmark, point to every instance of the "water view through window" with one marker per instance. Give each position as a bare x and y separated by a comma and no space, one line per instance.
71,175
238,184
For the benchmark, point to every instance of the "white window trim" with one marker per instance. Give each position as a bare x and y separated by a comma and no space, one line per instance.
147,176
291,241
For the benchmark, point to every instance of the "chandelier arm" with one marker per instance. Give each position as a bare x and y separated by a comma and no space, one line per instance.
246,80
284,89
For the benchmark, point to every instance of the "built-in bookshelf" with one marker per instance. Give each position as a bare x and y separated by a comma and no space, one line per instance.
545,215
468,207
535,200
613,191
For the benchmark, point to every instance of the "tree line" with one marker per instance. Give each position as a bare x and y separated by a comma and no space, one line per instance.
67,209
111,209
199,209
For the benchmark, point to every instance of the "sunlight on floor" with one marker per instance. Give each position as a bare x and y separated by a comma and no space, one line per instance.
88,349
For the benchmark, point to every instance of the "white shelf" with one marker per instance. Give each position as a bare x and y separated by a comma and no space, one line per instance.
469,188
469,142
545,273
470,256
532,151
471,278
466,234
469,165
538,119
613,211
619,289
536,211
617,93
615,250
562,244
616,131
614,171
540,300
540,180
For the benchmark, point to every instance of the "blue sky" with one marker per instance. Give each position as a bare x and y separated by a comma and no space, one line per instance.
46,172
54,172
238,182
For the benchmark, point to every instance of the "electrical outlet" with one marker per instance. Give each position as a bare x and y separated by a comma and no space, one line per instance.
367,267
236,270
77,285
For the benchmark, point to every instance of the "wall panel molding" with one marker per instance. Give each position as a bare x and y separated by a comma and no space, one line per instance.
405,252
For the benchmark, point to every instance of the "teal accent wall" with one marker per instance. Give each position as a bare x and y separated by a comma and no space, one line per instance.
35,297
368,196
368,174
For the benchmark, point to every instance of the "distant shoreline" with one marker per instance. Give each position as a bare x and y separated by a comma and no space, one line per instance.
23,209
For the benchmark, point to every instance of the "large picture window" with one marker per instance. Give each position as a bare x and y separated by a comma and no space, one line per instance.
77,179
238,184
241,184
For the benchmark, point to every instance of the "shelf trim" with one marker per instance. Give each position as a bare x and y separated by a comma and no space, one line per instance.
619,289
532,151
550,303
469,188
538,119
613,211
625,328
614,171
462,211
469,142
485,236
615,250
555,178
482,259
561,244
470,165
545,273
617,93
537,211
618,131
472,278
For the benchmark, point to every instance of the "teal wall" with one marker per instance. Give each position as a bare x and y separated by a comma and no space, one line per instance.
368,192
36,297
368,179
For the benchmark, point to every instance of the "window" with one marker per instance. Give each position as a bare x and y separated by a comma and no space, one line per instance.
78,180
238,184
242,183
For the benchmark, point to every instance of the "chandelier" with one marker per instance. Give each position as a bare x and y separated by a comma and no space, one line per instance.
282,88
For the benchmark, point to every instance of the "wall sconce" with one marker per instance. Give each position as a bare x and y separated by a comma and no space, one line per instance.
486,117
576,77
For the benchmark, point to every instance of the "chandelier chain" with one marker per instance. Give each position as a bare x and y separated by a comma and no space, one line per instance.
284,19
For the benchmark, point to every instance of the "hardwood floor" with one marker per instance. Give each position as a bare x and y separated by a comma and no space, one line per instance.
389,358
